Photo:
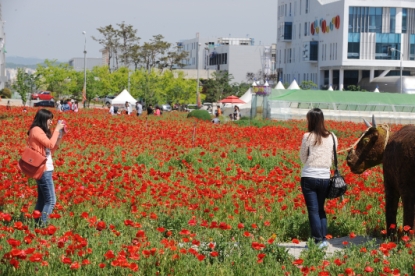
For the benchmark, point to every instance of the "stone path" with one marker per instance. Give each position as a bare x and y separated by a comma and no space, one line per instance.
335,245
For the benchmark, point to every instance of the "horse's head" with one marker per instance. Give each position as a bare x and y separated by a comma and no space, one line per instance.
369,149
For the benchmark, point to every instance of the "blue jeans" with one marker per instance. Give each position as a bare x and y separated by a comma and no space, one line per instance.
46,197
315,191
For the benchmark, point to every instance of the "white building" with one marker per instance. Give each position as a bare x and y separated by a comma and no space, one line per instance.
346,42
78,63
237,56
3,78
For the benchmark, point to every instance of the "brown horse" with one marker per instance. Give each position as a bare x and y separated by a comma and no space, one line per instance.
397,153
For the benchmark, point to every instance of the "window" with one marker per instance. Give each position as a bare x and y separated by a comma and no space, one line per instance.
384,43
412,47
299,31
353,46
306,5
375,20
392,20
301,2
313,50
289,14
404,20
365,19
288,30
305,28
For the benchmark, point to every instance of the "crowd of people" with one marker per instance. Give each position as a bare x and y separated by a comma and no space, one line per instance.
67,105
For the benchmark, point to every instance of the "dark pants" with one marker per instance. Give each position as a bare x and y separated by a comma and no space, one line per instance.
46,197
315,191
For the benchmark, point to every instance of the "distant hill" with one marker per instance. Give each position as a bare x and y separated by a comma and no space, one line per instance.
11,65
23,60
13,62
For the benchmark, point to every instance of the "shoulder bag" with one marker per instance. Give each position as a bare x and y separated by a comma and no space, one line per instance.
32,163
337,186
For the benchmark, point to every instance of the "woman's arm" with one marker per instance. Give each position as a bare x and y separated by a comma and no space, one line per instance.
304,148
40,136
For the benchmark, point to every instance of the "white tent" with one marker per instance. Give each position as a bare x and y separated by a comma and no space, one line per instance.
294,86
330,88
280,86
123,97
376,90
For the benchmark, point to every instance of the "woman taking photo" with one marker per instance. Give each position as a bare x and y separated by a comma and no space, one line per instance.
316,154
42,140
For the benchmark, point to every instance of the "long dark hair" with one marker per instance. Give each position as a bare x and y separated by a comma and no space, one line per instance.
41,120
315,119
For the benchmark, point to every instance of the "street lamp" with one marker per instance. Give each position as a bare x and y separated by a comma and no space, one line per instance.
394,49
197,67
84,89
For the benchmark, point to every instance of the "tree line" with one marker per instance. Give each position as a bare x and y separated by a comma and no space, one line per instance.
146,70
123,48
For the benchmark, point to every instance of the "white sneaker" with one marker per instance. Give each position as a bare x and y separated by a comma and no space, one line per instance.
322,245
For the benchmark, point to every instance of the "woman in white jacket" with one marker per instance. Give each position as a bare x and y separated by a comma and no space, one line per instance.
316,154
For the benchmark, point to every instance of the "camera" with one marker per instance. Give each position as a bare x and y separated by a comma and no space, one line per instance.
65,128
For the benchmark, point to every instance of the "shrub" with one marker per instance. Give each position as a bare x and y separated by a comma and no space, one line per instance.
6,93
199,114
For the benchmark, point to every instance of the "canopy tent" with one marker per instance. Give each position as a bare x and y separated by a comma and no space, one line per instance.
123,97
293,86
232,99
280,86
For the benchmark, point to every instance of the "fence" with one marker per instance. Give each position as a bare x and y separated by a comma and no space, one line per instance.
384,113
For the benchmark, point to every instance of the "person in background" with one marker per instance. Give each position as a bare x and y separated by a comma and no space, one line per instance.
157,112
69,102
112,110
59,106
150,110
218,111
65,106
8,107
236,113
216,119
316,153
43,140
75,106
139,108
128,108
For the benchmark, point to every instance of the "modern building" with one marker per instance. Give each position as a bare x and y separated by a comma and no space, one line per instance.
78,63
237,56
3,78
347,42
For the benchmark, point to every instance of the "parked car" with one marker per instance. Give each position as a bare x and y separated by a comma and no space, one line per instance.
106,100
165,107
42,95
191,107
45,104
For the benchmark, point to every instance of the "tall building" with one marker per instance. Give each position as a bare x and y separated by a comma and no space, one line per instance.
237,56
3,78
347,42
78,63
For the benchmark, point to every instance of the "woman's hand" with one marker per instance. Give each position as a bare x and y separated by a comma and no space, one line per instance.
59,126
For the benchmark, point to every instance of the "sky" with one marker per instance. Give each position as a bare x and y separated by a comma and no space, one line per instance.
52,29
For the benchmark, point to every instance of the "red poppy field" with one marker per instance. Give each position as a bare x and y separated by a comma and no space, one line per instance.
174,196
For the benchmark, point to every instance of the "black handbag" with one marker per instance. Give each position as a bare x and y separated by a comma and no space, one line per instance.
337,186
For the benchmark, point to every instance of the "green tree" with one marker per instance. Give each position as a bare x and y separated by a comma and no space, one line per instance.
129,38
175,58
59,78
152,52
22,84
218,87
308,85
109,41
